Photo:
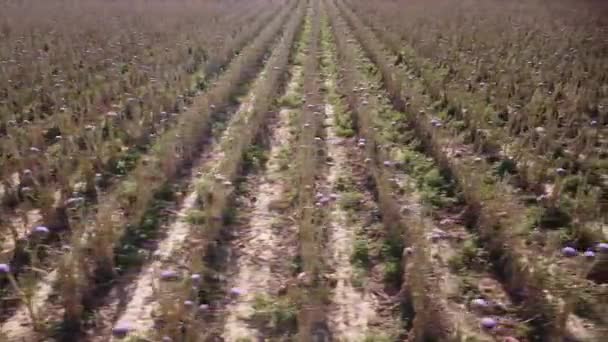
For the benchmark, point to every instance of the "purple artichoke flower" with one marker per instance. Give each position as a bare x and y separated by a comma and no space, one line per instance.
569,252
42,230
479,303
169,275
121,329
589,254
488,323
236,292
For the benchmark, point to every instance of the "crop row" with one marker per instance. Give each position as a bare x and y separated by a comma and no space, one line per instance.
54,65
311,315
553,75
49,208
549,292
127,157
215,194
556,159
116,148
126,117
420,204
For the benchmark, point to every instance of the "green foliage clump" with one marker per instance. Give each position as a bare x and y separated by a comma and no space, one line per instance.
254,158
360,256
391,252
291,101
195,217
468,257
278,314
506,167
351,200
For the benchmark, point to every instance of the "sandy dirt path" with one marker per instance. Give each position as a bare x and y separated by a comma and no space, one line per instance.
352,309
259,245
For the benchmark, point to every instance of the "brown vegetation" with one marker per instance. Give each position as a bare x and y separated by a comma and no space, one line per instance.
456,150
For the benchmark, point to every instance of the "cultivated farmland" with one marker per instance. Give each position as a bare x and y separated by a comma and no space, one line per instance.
303,170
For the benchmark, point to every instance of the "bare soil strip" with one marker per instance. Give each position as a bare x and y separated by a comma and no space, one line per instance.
352,309
363,304
258,246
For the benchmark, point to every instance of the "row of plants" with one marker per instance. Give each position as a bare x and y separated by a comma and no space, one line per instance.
555,161
364,256
92,256
415,269
48,65
127,119
550,294
89,159
181,306
53,209
311,292
449,291
552,78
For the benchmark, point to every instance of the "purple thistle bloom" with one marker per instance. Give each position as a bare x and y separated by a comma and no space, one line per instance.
569,252
589,254
121,330
195,277
169,275
236,292
479,303
488,323
5,268
41,230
